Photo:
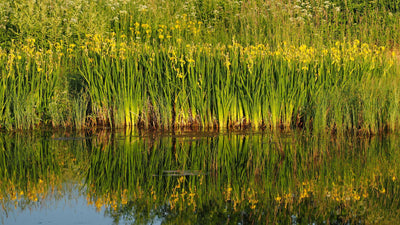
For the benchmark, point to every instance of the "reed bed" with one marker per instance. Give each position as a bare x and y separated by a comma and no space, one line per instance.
350,86
335,69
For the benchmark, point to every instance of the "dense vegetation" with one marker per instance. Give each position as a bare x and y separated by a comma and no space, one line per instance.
276,64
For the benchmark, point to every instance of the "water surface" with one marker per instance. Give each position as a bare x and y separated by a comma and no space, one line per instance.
198,178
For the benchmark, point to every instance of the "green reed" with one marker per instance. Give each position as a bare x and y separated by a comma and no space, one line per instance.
200,65
130,84
235,87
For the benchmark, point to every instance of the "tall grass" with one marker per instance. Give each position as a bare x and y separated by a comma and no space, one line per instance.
235,86
317,65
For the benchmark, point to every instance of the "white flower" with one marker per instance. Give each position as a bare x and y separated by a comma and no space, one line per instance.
143,8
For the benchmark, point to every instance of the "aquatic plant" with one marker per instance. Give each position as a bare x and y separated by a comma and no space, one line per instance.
201,65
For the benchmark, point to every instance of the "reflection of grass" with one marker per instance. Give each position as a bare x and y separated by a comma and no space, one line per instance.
267,178
209,178
33,169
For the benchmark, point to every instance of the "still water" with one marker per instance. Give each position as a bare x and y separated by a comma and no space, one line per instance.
198,178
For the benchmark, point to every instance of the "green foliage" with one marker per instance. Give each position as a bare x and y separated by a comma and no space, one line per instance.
365,5
199,64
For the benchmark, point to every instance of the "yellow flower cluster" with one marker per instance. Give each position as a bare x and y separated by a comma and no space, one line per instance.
120,47
29,58
181,28
351,51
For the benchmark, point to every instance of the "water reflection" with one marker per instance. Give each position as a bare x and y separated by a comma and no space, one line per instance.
203,178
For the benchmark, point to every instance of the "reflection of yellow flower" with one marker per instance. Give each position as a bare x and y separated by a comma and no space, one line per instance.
114,205
124,201
98,204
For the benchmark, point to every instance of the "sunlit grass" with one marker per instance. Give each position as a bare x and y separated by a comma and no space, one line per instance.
323,66
135,84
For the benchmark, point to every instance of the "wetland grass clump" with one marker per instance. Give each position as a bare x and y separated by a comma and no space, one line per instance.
201,65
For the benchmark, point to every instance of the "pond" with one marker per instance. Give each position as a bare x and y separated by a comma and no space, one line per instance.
198,178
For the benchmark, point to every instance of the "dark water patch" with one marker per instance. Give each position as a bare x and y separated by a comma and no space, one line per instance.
70,138
182,173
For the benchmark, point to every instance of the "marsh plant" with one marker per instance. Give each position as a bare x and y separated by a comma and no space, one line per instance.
323,66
